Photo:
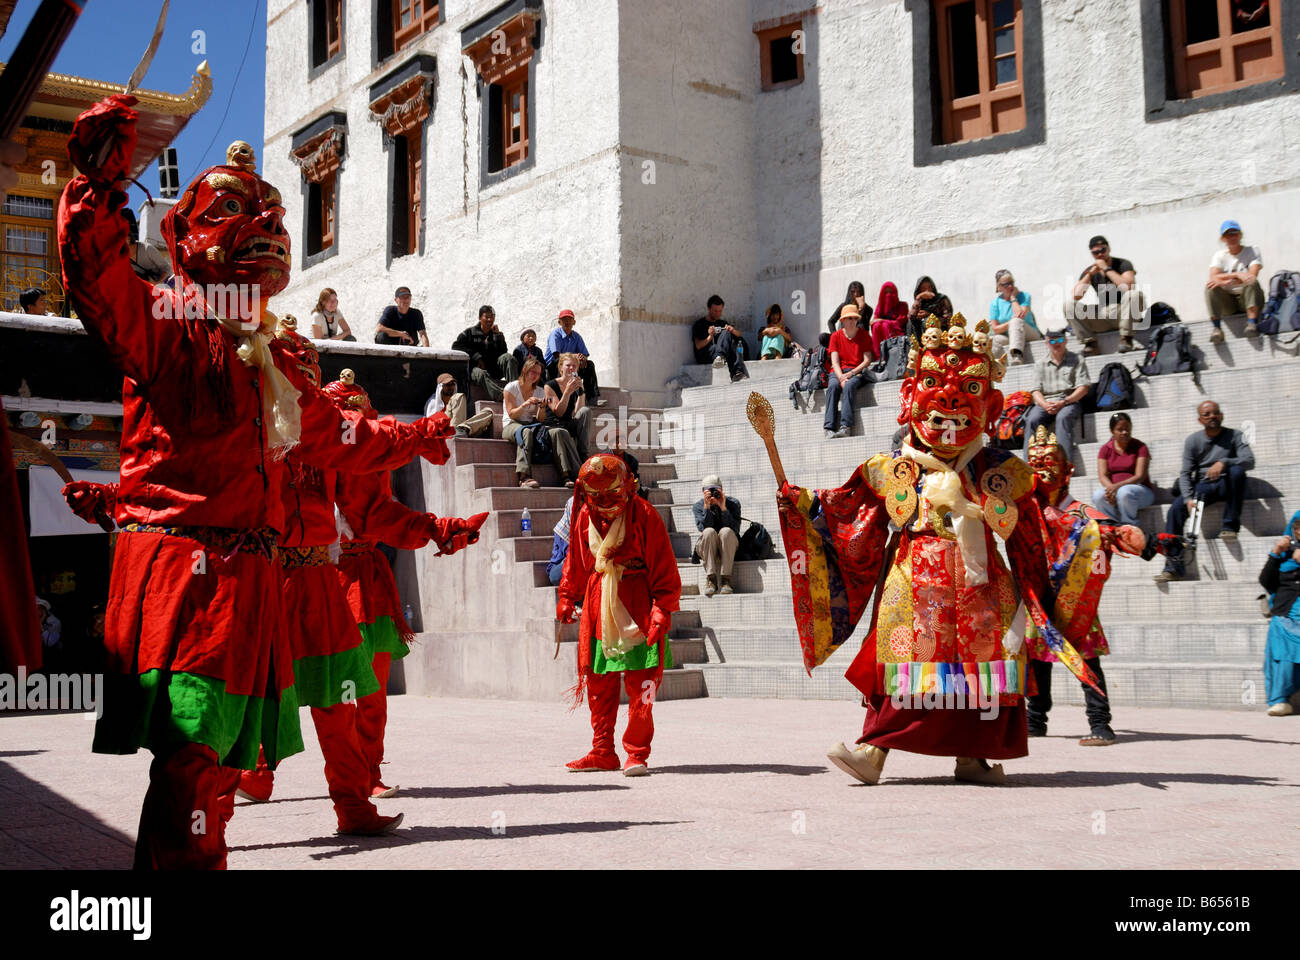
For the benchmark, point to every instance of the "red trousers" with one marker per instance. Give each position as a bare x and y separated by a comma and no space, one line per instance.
182,822
347,770
372,718
602,694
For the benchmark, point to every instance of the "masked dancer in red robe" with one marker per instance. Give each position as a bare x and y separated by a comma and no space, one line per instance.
1074,607
942,668
369,515
622,570
201,667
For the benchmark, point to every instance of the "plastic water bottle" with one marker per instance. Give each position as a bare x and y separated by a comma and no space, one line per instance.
526,522
408,612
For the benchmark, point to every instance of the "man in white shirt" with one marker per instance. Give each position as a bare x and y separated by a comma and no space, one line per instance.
1233,286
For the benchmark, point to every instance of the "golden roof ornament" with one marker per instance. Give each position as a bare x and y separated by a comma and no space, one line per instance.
240,154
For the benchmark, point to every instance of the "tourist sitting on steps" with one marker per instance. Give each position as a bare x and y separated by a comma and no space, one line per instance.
717,517
1233,286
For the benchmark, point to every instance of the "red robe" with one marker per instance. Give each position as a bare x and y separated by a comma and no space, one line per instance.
20,633
194,454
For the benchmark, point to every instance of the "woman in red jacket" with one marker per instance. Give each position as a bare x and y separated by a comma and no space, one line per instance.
621,568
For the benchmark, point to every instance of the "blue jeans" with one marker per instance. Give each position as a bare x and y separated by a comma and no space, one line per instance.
839,402
1129,499
1229,488
1062,423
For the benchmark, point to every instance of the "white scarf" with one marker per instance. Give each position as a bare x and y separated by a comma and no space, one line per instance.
280,410
618,631
942,489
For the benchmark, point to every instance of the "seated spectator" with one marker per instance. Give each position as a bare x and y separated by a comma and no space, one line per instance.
32,302
1123,467
1010,318
489,357
527,348
523,400
850,352
1233,286
1060,383
776,340
717,517
1281,578
446,398
889,319
926,300
1215,461
856,295
560,546
566,403
1119,302
563,340
717,342
400,323
327,321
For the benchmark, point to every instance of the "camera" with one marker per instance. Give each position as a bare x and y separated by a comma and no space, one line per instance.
716,491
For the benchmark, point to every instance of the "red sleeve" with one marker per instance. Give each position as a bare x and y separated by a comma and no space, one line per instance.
367,504
836,346
134,321
577,564
353,444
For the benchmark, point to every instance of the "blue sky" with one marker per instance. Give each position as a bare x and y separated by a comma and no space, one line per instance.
111,36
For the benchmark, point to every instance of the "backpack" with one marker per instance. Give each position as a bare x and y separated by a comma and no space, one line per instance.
1113,390
1160,312
1009,428
1169,352
892,364
755,543
1282,311
812,373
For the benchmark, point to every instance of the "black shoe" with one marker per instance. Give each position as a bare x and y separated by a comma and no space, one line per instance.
1038,729
1101,736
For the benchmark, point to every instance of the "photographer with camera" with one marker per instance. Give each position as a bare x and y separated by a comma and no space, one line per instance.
1281,578
718,342
717,517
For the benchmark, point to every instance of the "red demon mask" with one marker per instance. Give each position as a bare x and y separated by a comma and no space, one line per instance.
300,348
1048,461
228,228
607,486
950,399
347,394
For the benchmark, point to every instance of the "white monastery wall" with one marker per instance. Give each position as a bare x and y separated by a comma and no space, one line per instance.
530,245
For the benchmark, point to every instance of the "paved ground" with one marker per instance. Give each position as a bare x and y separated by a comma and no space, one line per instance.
737,783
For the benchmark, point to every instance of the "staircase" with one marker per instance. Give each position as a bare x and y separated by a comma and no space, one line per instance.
488,612
1197,642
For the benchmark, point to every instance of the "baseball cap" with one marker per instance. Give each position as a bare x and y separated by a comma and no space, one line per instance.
565,313
403,292
1096,240
445,378
1229,225
712,480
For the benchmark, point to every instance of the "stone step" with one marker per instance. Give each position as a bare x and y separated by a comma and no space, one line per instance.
535,548
1223,685
503,475
777,640
544,520
1122,601
495,450
516,498
1237,353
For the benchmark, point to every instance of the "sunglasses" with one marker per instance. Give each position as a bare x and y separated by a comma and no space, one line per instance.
1098,251
1006,283
1056,339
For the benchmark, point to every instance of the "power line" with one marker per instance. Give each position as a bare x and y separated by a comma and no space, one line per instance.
216,133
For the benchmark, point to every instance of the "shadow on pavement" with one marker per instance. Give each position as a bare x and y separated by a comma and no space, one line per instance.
504,789
1103,778
19,753
1136,736
346,846
46,831
785,769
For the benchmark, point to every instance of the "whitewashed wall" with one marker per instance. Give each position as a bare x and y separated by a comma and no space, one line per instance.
536,243
764,197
